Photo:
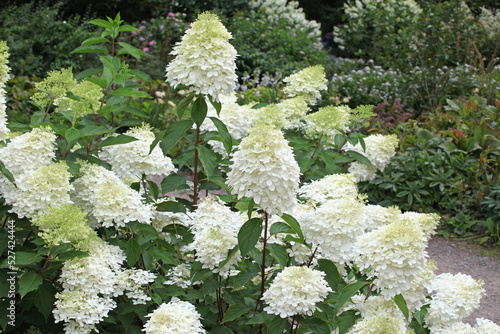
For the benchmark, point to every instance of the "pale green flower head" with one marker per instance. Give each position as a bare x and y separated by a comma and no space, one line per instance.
205,61
271,115
65,224
54,87
90,96
4,60
295,110
362,113
307,83
382,324
327,121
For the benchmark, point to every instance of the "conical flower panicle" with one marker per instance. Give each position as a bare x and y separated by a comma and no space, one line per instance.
205,61
265,169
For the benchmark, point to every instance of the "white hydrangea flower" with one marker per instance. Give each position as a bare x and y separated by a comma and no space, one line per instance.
455,328
295,110
374,306
132,280
162,219
40,190
265,169
485,326
328,121
296,290
330,187
427,222
379,150
377,216
456,297
73,327
29,151
107,199
379,324
175,317
212,246
307,83
132,160
205,61
4,76
395,253
334,227
415,295
302,254
271,116
212,213
180,276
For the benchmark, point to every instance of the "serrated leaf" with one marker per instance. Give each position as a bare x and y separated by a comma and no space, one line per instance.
235,311
401,302
29,282
279,253
102,23
92,130
359,157
44,301
199,110
277,325
332,276
171,206
133,51
90,49
174,182
280,227
173,133
249,234
94,40
117,140
133,251
183,104
7,173
88,73
71,135
227,140
127,27
131,92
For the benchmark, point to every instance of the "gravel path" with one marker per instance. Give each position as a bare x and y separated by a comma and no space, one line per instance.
459,257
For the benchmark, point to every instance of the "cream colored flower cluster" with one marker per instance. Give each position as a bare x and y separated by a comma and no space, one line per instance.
177,316
265,169
4,76
330,187
295,110
106,199
205,61
328,121
296,290
379,150
131,160
308,83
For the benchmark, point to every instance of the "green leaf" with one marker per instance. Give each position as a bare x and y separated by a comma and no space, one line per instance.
339,140
260,105
94,40
44,301
140,75
102,23
346,320
332,274
277,325
131,92
249,234
88,73
279,253
418,321
98,81
401,302
129,49
227,140
235,311
133,251
199,110
29,282
37,118
359,157
117,140
71,135
280,227
347,292
92,130
24,258
208,160
72,254
171,206
294,224
183,104
127,27
216,104
90,49
173,133
7,173
174,182
315,325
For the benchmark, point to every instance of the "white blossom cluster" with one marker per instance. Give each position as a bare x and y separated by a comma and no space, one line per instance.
328,121
265,169
379,324
296,290
177,316
331,187
377,216
180,276
131,160
162,219
308,83
90,283
456,297
379,150
4,76
291,12
107,199
205,61
295,110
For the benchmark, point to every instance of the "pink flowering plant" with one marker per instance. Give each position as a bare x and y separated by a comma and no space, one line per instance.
107,234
